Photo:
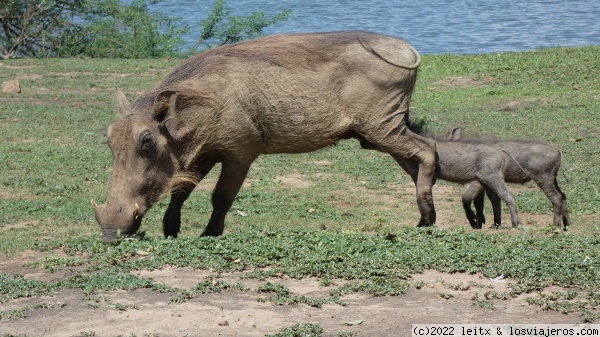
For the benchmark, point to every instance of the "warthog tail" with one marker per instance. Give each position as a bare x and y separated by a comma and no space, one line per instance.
410,48
560,153
527,174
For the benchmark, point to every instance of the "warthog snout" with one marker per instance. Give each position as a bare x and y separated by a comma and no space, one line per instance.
118,222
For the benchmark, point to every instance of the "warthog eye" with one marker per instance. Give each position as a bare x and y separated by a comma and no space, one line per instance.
147,141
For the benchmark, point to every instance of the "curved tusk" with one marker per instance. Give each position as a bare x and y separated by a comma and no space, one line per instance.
136,212
94,204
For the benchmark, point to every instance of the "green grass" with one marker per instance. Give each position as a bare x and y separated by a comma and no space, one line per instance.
378,264
54,159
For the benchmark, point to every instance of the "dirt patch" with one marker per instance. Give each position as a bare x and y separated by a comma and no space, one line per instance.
56,102
293,181
457,82
208,184
6,195
324,162
22,224
512,105
29,77
175,277
442,298
19,67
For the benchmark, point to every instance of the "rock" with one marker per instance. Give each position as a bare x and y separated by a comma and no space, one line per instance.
223,323
11,87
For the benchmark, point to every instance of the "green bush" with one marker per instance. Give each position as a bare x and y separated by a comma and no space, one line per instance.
224,28
110,29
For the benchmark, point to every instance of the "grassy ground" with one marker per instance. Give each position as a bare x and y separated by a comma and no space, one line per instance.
53,159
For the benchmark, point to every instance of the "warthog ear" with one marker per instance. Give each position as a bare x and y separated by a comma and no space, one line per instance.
123,102
164,105
455,133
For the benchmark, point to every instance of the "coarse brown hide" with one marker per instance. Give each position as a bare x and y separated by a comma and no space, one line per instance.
278,94
532,160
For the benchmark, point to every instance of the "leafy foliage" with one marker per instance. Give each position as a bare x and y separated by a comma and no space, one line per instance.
105,28
29,28
112,29
22,313
16,286
378,265
221,27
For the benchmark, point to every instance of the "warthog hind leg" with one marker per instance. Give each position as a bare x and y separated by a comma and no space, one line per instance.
230,181
558,199
496,206
416,155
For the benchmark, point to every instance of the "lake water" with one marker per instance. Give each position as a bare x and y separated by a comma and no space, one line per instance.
432,26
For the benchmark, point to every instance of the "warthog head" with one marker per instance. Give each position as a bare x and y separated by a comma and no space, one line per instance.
142,171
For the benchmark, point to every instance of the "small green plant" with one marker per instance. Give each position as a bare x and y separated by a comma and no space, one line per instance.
209,286
589,317
376,287
418,284
22,313
299,330
326,282
17,286
52,263
118,306
269,287
484,304
347,334
282,296
445,296
301,299
13,313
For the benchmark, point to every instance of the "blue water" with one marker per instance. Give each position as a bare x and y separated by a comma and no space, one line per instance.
432,26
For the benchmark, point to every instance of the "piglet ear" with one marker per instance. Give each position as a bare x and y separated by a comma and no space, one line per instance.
164,105
123,103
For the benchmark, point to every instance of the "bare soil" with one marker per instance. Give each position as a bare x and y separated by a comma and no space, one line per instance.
443,298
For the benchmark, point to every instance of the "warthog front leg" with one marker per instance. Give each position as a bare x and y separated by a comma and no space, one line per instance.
496,185
179,194
475,193
172,218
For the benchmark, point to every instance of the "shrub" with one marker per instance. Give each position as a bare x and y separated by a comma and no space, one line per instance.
111,29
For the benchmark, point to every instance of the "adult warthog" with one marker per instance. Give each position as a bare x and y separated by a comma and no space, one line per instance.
279,94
